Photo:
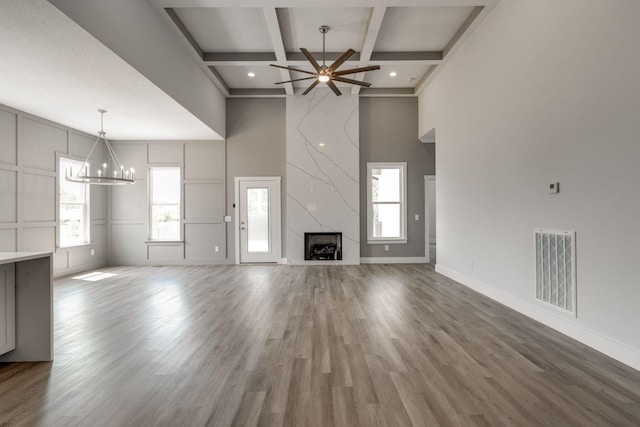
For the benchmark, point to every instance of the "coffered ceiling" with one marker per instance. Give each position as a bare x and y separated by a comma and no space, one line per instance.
236,40
64,59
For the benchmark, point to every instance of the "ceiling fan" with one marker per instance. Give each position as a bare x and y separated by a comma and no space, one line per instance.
328,75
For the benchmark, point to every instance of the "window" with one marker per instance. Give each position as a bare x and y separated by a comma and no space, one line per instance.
74,213
165,203
386,202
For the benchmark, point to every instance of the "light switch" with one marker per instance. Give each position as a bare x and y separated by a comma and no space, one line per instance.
417,217
217,249
227,218
554,188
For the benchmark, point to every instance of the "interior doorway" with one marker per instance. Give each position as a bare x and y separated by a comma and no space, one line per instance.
430,218
257,222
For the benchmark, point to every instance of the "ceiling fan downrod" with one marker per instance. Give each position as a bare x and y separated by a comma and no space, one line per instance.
324,29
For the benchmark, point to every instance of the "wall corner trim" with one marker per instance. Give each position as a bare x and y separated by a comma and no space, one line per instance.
619,351
394,260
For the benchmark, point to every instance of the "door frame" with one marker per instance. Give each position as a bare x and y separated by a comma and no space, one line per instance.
277,212
427,218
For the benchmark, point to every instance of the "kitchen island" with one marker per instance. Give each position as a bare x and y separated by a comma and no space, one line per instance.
26,322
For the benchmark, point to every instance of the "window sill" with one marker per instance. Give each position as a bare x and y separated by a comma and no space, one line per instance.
387,242
163,242
79,246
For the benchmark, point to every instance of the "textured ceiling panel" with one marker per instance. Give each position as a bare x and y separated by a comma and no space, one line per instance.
237,76
224,29
419,28
406,76
299,28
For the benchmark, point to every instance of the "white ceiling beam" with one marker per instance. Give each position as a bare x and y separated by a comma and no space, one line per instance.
369,42
179,26
275,33
256,58
314,3
306,66
373,29
262,58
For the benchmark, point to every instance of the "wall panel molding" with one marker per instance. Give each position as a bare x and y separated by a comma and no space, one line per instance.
29,149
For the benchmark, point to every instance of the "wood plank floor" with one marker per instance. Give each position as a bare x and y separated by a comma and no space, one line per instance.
371,345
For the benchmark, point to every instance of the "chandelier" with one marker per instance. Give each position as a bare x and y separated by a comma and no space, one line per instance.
117,174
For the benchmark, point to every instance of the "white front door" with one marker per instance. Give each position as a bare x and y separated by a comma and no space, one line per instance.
258,219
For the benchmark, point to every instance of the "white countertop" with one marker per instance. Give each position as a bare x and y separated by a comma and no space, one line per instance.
9,257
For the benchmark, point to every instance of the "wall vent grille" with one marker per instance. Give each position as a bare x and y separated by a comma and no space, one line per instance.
555,268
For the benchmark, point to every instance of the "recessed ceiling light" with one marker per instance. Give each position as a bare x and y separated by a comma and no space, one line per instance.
393,74
321,144
251,74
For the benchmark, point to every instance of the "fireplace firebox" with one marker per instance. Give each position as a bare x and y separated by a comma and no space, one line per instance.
323,246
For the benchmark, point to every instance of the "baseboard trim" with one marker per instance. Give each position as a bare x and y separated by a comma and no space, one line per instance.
394,260
621,352
169,262
58,274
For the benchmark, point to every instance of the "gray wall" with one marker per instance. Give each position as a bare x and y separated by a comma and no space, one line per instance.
256,146
389,133
507,127
29,149
203,187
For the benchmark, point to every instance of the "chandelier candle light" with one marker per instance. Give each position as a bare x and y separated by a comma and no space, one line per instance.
118,176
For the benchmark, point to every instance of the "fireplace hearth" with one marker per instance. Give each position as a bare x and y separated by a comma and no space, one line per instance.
326,246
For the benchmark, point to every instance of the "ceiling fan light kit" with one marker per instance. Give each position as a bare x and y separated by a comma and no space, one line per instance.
328,75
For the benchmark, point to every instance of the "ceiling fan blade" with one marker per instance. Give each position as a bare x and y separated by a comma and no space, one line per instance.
311,59
296,80
338,62
311,86
292,69
334,88
356,70
353,82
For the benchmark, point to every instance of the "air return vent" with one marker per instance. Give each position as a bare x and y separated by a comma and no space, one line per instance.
555,268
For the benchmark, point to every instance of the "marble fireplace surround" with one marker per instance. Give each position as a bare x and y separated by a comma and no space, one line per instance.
323,190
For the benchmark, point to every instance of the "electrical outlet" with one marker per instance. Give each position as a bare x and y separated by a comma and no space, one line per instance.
217,249
93,252
386,247
417,217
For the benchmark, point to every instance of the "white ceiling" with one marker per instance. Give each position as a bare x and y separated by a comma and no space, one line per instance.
215,29
419,28
54,69
233,38
299,27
